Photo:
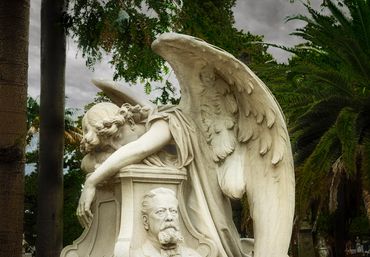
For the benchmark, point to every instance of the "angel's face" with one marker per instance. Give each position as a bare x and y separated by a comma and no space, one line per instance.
90,138
92,122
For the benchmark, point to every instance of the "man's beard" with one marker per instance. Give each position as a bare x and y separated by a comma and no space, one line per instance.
169,234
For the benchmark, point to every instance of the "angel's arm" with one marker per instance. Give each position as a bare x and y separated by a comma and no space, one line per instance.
152,141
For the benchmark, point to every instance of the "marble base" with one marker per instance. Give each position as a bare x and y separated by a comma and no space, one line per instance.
117,227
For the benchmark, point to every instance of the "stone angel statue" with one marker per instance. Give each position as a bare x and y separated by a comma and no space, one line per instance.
230,136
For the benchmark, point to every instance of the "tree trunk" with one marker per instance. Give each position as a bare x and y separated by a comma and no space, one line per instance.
50,195
14,25
341,219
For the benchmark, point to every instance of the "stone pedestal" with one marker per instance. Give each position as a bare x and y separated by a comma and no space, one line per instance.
305,242
117,226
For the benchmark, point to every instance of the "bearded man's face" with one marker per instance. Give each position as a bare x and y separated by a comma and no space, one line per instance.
163,220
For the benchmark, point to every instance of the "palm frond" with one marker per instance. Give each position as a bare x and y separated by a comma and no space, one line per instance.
331,129
313,176
338,14
344,37
73,137
339,171
360,13
325,111
364,119
303,150
346,126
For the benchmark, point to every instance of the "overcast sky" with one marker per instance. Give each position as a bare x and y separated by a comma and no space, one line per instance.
262,17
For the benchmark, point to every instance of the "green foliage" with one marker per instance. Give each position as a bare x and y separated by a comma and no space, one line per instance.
360,226
325,223
338,42
33,121
315,169
30,208
33,110
308,128
167,96
126,29
346,126
73,181
328,100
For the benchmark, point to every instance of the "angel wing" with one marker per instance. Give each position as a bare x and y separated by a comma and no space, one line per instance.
244,126
118,95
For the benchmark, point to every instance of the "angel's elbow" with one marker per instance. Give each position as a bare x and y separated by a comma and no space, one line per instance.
143,150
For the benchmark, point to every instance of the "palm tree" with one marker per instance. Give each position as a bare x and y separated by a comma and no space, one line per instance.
328,107
50,178
14,27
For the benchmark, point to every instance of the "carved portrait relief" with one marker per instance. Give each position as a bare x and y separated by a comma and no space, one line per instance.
160,218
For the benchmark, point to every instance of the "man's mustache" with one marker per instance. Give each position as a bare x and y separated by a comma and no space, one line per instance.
170,234
168,225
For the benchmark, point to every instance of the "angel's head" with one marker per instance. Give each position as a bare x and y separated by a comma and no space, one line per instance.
107,125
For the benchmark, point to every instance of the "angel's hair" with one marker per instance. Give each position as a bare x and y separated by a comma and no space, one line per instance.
134,114
104,120
146,204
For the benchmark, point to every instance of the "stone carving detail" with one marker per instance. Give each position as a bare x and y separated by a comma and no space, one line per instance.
226,138
106,127
161,221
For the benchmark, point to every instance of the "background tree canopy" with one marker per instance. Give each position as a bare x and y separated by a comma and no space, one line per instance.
126,29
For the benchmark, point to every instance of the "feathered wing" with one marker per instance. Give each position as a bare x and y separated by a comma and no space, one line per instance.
245,129
120,94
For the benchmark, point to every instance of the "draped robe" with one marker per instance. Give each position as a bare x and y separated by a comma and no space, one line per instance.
207,207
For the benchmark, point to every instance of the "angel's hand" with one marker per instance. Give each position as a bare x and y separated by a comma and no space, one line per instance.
84,213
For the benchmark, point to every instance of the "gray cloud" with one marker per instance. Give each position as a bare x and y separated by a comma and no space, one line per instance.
267,18
34,50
